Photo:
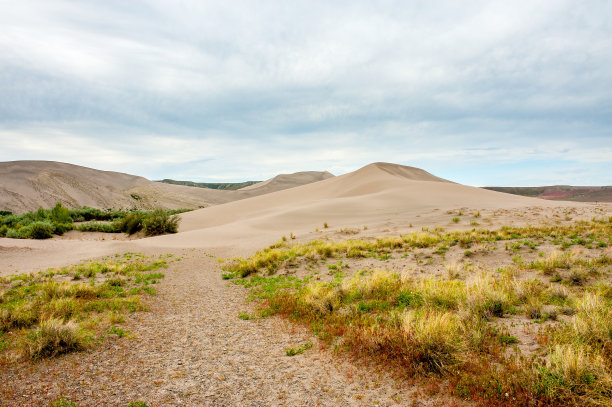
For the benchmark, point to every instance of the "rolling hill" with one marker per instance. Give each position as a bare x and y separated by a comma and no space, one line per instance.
28,185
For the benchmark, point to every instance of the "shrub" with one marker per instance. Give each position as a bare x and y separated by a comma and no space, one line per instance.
160,222
59,214
14,234
38,230
131,223
61,228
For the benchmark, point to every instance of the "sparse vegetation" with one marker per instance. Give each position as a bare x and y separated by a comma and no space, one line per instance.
45,315
298,350
450,327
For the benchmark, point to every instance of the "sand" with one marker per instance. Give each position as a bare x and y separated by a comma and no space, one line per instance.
191,349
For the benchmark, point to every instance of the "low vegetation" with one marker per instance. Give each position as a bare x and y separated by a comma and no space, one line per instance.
465,331
229,186
64,402
64,310
45,223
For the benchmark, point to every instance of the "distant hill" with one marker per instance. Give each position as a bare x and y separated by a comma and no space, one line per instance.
286,181
230,186
561,192
27,185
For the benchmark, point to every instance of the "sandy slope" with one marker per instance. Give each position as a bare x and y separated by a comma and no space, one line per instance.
285,181
28,185
372,196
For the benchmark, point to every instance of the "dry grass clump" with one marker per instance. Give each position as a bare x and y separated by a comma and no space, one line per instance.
593,320
321,298
54,337
554,261
435,339
488,297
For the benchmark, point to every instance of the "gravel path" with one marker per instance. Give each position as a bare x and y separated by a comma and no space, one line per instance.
190,348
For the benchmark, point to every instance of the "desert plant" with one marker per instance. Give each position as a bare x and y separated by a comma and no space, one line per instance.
38,230
159,222
435,339
131,223
298,350
96,226
59,214
55,337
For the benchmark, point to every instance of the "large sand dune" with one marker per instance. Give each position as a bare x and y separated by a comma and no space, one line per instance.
28,185
376,195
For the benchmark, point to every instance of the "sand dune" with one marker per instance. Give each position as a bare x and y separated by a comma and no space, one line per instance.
374,195
286,181
28,185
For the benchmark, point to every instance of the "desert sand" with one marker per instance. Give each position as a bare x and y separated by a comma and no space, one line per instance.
191,349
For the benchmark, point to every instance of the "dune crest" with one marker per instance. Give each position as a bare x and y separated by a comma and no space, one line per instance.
376,194
404,171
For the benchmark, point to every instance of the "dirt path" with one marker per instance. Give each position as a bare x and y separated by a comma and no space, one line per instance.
192,349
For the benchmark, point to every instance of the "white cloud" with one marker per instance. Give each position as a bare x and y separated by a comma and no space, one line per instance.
249,89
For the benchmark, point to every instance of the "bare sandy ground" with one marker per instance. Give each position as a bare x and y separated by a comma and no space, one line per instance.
191,349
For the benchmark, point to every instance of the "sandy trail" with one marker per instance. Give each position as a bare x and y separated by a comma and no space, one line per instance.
192,349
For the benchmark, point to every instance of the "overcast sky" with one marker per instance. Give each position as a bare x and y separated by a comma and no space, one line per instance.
479,92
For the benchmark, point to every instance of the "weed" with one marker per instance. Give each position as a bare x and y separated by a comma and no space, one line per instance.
63,402
120,332
298,350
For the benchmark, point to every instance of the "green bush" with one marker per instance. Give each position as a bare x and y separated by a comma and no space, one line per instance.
59,214
14,234
38,230
61,228
159,222
43,223
131,223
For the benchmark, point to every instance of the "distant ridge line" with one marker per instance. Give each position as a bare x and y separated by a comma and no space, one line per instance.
226,186
561,192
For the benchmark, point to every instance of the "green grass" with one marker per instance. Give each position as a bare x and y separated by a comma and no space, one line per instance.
51,312
298,350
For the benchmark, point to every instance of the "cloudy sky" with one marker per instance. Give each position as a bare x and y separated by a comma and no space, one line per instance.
479,92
